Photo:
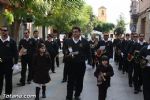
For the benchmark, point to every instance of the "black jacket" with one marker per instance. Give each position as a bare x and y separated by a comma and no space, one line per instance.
41,67
82,47
109,73
9,52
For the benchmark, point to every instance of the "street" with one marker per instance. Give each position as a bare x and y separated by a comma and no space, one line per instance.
56,90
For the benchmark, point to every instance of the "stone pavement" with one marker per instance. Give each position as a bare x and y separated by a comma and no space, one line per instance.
56,90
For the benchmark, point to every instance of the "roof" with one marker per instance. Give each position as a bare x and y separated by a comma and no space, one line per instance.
102,7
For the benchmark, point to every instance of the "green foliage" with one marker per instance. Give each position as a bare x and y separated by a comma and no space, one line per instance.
120,28
9,16
60,14
104,27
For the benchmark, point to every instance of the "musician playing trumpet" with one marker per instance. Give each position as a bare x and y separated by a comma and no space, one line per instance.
103,73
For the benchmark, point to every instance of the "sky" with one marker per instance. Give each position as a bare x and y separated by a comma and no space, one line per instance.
114,9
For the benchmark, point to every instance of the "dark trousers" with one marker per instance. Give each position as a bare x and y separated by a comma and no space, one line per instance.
76,73
57,60
120,63
125,64
146,83
130,72
65,72
102,92
6,73
93,60
137,77
116,57
53,64
24,63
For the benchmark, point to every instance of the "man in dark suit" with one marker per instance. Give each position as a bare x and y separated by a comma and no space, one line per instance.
108,46
57,41
51,48
77,49
26,50
8,57
145,53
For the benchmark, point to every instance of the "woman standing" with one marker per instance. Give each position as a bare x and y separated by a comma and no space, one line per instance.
41,66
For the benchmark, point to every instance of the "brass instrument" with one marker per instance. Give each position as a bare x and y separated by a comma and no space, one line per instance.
130,57
100,78
22,51
143,62
136,57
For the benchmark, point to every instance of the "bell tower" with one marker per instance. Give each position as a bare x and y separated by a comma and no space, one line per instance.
102,16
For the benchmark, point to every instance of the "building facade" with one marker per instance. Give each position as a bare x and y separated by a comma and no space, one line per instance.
141,17
102,15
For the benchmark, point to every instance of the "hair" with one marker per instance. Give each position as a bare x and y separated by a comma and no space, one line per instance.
27,30
3,26
69,34
49,35
35,31
78,28
40,45
55,31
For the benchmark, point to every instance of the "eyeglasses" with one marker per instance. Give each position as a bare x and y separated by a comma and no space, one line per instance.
26,33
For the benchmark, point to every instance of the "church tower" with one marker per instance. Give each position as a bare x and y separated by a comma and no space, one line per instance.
102,14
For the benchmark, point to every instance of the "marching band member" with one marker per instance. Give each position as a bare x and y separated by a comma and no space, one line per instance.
8,60
145,53
26,50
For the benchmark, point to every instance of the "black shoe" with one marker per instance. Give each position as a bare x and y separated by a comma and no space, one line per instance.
53,72
28,82
7,99
140,90
130,85
20,84
68,98
77,98
63,81
136,92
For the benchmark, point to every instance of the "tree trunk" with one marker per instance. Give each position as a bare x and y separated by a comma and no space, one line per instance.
14,30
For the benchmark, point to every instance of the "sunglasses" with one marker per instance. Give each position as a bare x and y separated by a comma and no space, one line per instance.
26,33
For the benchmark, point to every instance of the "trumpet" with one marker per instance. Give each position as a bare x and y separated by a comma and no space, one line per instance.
100,78
143,62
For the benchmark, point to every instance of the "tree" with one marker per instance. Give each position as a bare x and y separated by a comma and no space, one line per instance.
104,27
120,28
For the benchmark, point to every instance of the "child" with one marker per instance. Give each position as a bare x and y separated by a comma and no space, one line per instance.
103,73
41,67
